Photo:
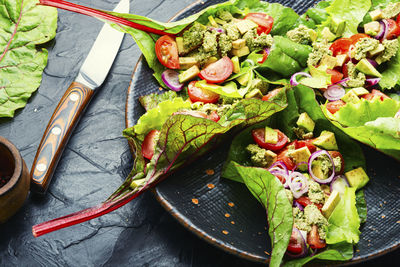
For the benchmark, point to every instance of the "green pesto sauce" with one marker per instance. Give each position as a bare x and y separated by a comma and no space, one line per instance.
255,41
391,48
224,44
232,31
259,156
193,37
300,35
363,46
315,193
314,217
356,78
224,15
320,49
210,42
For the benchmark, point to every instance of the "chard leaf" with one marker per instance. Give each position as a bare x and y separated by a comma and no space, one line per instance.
269,191
337,252
344,222
372,123
23,26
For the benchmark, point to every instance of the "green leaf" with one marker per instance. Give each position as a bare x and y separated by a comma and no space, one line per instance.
152,100
372,123
352,11
23,26
319,78
269,191
344,222
337,252
361,205
391,74
228,89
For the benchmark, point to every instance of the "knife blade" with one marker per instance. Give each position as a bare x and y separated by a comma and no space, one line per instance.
65,117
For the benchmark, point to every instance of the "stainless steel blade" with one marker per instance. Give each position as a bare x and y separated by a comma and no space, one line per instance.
103,52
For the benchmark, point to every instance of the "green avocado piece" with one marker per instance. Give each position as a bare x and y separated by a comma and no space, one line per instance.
330,204
271,136
306,122
236,65
365,67
326,141
255,93
350,97
357,178
300,155
327,34
244,79
360,91
189,74
338,26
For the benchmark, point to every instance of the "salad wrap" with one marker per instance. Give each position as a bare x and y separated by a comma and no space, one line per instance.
342,224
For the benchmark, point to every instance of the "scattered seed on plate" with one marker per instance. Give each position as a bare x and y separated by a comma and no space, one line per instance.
398,222
231,204
227,215
232,222
225,232
210,171
383,216
195,201
160,88
211,186
266,252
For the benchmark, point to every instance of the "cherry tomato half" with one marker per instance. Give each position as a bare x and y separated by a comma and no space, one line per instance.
308,143
271,94
340,46
213,116
282,156
313,239
149,144
264,22
336,75
334,106
375,93
259,138
335,154
197,94
167,52
305,201
393,29
295,242
218,71
356,37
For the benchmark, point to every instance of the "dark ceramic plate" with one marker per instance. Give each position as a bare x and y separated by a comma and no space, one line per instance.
229,217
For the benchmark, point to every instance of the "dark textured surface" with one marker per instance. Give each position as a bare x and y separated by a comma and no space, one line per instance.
97,159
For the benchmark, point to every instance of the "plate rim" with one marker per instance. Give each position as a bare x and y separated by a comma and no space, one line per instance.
185,222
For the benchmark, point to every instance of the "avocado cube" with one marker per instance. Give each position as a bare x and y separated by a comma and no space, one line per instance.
372,28
239,43
360,91
179,43
376,14
271,136
244,79
189,74
245,25
341,59
326,141
187,62
365,67
350,97
377,50
255,93
357,178
313,35
327,34
330,204
212,21
300,155
236,65
270,157
338,26
241,52
306,122
317,170
220,21
328,61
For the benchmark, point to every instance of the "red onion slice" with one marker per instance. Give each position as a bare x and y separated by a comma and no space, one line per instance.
351,48
298,184
282,174
397,116
298,205
382,30
339,183
342,82
279,165
373,62
220,30
372,81
385,32
297,239
171,79
314,156
293,80
334,92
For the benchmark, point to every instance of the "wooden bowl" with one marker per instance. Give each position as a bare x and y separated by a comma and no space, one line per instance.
15,191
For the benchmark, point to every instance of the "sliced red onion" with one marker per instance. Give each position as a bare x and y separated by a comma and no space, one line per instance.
382,30
372,81
293,80
297,239
279,165
342,82
397,116
314,156
373,62
220,30
170,78
298,184
267,50
281,173
351,48
385,32
339,183
298,205
334,92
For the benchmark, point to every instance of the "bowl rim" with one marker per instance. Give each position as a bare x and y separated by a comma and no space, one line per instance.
17,165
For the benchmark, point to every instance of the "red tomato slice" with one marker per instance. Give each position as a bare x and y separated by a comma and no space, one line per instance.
313,239
393,29
271,94
295,243
340,46
264,21
259,138
218,71
213,116
265,56
149,144
334,106
335,154
356,37
167,52
375,93
305,201
336,75
345,71
308,143
197,94
285,159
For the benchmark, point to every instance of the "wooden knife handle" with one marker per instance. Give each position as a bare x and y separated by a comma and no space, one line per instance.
57,133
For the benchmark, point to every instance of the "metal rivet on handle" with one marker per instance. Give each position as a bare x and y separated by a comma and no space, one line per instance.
56,130
41,167
74,97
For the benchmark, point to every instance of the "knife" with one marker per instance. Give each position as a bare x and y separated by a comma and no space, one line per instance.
74,101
